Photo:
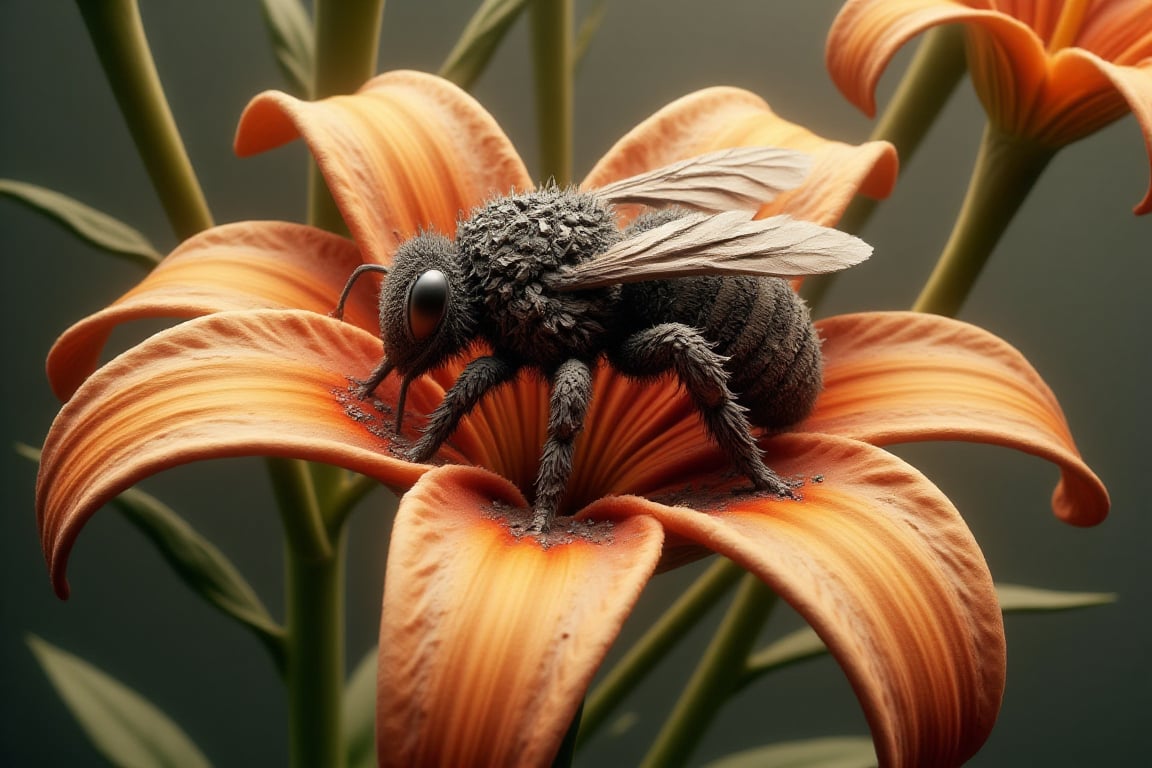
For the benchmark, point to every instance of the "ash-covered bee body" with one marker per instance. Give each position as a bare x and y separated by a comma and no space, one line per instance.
552,284
513,247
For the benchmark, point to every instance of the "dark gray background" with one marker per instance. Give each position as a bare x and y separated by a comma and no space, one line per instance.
1068,286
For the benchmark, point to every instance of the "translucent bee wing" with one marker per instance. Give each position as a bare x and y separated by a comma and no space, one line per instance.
743,178
729,243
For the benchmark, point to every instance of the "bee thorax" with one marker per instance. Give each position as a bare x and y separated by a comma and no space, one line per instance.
512,245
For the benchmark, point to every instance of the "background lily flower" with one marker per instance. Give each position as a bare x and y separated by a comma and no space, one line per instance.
1052,72
488,639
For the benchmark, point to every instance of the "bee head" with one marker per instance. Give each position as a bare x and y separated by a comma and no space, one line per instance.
427,315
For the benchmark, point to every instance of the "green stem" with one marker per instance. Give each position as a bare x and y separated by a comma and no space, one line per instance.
552,55
118,35
660,638
933,74
304,527
716,676
314,589
315,623
347,41
350,493
1006,169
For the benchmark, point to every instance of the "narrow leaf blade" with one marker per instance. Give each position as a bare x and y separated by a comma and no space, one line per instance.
198,563
588,28
201,566
792,648
122,725
831,752
1017,598
87,223
1014,598
479,40
293,42
359,726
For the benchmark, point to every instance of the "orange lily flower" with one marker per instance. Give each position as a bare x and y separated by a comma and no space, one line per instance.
1049,71
489,638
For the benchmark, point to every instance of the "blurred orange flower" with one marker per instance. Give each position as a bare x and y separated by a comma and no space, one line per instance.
489,638
1050,71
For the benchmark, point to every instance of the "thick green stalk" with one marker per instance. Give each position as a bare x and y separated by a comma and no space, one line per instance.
660,638
315,623
552,55
716,676
1006,169
933,74
300,513
347,42
314,596
118,35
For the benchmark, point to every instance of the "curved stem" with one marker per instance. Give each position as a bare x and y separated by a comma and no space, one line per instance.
933,74
315,623
347,41
1006,169
118,35
660,638
716,676
552,54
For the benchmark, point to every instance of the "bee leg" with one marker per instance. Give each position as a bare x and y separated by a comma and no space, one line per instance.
368,386
680,348
568,405
478,378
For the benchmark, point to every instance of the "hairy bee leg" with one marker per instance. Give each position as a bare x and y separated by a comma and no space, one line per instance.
478,378
683,350
568,405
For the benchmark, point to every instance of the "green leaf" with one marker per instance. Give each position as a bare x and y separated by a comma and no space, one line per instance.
480,39
197,562
588,28
293,42
122,725
92,226
792,648
1015,598
202,566
832,752
359,725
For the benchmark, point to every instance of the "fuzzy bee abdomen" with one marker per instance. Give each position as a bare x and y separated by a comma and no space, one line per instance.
774,362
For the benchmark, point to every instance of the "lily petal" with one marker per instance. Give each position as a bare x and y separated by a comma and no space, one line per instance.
1053,96
882,566
894,377
488,640
248,265
1131,90
408,151
867,33
722,117
263,382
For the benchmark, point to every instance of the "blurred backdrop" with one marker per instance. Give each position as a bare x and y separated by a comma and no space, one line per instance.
1068,286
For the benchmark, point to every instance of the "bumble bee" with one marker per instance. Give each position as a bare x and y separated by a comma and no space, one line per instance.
694,287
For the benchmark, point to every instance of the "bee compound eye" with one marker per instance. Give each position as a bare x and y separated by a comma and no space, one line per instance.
427,303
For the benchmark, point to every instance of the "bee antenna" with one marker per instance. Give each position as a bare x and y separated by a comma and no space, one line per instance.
338,313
